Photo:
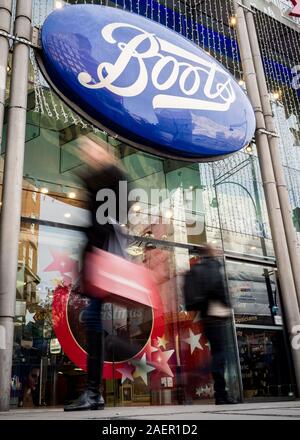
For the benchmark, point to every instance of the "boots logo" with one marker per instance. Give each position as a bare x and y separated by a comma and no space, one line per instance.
176,63
145,84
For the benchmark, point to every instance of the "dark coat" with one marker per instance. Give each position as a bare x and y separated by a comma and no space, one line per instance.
210,284
109,177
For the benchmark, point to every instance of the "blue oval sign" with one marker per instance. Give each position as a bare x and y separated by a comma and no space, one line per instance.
141,81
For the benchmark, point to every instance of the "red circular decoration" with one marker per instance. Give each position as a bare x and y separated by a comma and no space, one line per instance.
74,350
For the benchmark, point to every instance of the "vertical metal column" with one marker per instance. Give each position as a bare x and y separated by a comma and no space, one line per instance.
5,21
289,296
275,154
12,195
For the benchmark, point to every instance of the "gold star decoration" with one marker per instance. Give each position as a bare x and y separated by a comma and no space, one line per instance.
162,342
142,368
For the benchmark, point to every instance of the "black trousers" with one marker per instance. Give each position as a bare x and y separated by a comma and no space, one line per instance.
216,334
94,332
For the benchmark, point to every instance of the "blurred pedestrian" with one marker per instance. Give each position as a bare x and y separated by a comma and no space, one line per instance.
102,171
207,294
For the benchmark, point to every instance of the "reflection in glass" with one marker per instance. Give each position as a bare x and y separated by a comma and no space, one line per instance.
254,294
264,369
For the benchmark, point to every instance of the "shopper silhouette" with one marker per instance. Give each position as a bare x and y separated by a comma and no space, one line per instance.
103,173
29,397
212,301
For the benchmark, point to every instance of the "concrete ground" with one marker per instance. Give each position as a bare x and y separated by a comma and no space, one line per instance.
289,410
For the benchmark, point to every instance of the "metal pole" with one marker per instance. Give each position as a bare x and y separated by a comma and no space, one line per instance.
275,154
12,195
5,23
289,296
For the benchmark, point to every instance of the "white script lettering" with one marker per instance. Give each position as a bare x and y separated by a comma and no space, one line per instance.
189,71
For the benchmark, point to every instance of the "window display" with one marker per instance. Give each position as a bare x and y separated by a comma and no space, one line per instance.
264,372
254,293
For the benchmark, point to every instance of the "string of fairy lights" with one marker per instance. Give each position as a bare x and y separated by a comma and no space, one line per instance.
210,24
280,51
207,23
194,18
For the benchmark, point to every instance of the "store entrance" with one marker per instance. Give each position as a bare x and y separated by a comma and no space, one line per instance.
263,350
264,367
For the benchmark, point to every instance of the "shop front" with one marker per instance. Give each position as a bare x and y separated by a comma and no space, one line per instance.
154,355
157,356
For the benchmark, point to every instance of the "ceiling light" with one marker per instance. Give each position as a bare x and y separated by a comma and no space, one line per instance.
249,149
276,95
135,250
72,195
44,190
59,4
168,213
232,21
67,215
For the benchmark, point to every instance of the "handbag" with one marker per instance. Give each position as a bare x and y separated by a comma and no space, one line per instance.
112,278
218,310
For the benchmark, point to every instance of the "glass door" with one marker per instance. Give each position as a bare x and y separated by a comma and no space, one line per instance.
263,352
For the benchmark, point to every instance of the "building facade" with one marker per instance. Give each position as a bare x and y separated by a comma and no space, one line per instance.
171,364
